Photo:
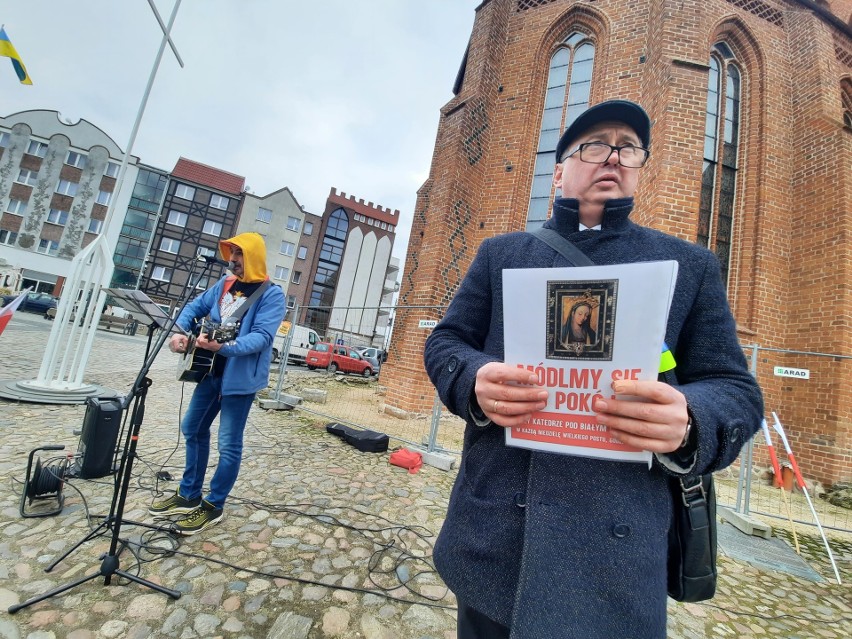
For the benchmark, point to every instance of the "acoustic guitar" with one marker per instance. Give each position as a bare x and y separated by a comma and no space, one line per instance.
196,363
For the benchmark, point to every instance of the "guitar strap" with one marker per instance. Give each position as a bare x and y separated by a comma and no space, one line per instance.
237,315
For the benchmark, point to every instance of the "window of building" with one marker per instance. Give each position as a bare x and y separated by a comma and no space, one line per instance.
104,197
219,202
8,237
76,159
390,228
25,176
185,192
331,254
303,252
206,251
287,248
845,100
202,282
569,83
148,190
176,218
292,223
297,277
291,301
282,273
95,226
169,245
57,216
264,215
308,228
384,225
212,228
5,138
48,247
112,169
716,215
17,207
161,273
37,148
66,187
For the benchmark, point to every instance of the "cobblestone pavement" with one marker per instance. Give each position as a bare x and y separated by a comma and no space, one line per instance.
318,539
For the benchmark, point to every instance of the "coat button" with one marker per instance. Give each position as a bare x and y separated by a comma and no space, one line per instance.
453,363
621,530
520,500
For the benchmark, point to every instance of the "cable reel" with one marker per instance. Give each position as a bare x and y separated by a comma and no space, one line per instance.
46,482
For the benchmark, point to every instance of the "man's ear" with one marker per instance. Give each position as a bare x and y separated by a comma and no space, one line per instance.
557,175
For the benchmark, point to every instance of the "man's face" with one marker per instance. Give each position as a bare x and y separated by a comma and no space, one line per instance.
594,184
237,261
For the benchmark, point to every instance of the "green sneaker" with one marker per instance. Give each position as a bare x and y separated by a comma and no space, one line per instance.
174,505
199,519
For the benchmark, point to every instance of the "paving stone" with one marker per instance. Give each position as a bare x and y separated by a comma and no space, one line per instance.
294,480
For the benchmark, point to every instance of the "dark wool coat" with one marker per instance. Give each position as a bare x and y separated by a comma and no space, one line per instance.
562,546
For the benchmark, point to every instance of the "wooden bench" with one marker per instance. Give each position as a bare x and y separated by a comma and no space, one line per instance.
109,322
127,325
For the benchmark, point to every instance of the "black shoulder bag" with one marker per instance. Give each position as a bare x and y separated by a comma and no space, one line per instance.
692,533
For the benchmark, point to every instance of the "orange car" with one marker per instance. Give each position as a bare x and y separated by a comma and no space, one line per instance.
337,358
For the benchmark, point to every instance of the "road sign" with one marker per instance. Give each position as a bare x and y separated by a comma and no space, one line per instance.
427,324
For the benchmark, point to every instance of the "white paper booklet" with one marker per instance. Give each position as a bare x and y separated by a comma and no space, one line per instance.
579,329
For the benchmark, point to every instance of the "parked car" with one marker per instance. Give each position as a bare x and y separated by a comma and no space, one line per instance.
370,354
338,358
34,303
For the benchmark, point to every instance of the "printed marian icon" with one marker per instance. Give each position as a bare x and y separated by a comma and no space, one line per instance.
581,319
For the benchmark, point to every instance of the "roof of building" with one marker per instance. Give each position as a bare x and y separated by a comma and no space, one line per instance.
209,176
375,211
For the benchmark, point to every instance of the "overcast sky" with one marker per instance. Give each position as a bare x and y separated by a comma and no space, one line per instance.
305,94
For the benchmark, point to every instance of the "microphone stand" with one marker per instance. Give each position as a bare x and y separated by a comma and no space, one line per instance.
138,392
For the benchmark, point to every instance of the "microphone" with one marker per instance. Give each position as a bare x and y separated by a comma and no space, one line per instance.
211,259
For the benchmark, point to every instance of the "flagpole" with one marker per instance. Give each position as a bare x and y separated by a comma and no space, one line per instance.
60,377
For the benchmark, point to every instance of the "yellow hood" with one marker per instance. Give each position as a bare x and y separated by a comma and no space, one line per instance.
254,255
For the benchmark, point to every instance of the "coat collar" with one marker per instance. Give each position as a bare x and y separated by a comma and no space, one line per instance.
566,215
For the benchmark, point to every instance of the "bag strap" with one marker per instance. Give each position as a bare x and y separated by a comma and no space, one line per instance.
575,256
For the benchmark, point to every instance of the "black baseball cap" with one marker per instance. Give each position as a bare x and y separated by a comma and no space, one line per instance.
610,111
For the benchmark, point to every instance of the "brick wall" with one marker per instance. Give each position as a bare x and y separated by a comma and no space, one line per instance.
791,259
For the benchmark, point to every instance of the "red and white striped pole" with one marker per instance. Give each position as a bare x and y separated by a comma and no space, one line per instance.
780,430
776,467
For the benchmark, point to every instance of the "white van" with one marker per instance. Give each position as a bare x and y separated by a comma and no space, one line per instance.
303,339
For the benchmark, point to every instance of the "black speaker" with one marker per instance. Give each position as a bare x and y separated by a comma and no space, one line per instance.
96,450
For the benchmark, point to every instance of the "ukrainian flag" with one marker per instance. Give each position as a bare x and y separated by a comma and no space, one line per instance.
8,51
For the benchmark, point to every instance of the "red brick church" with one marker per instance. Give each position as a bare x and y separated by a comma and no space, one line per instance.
751,102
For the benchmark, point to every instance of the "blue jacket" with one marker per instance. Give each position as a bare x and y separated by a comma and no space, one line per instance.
247,367
558,546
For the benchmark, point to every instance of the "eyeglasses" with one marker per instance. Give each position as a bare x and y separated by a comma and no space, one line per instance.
630,156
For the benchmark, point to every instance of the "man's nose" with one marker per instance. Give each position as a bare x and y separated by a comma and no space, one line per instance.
612,158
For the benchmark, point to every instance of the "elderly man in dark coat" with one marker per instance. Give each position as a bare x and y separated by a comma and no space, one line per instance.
540,545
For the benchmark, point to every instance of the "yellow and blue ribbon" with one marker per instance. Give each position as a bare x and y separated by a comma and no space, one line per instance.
667,360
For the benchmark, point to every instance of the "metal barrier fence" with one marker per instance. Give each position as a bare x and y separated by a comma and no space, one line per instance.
360,401
749,486
746,487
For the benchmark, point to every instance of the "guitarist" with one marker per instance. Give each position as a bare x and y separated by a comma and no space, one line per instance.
240,369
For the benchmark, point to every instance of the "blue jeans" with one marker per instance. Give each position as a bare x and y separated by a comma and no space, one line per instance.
205,405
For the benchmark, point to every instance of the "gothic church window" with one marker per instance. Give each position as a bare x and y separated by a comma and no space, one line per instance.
569,82
846,98
717,212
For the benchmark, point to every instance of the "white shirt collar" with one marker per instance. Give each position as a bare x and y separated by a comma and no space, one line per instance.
583,227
